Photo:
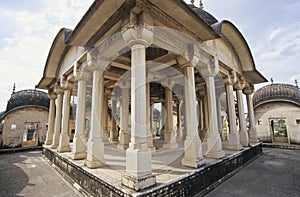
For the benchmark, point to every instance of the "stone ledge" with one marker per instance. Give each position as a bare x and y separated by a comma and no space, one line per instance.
21,149
199,182
282,146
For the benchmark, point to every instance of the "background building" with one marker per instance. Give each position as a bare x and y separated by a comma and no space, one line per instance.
24,122
277,113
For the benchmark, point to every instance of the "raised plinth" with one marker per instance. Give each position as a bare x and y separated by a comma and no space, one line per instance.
139,183
196,182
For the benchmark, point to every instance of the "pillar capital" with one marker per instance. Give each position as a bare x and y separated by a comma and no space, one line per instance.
95,61
133,36
67,85
240,84
52,95
81,75
58,89
231,78
249,89
168,83
210,68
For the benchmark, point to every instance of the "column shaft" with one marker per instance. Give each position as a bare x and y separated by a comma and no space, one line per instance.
170,133
179,121
214,144
64,140
252,130
124,118
234,137
113,132
95,146
58,117
79,141
242,121
192,145
148,118
51,120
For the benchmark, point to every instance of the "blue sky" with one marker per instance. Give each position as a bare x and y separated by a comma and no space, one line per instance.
28,27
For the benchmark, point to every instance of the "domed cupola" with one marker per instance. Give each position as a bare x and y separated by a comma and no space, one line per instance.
26,98
276,92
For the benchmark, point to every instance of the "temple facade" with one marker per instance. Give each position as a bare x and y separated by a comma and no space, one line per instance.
131,56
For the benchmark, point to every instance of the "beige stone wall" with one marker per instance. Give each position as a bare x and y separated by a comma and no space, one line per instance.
288,111
14,137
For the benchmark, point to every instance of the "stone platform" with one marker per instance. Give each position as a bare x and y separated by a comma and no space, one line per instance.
172,178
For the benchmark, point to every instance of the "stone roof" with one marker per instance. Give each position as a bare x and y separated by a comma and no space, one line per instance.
26,98
205,16
277,92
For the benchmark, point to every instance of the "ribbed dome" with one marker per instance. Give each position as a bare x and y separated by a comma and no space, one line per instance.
25,98
276,92
205,16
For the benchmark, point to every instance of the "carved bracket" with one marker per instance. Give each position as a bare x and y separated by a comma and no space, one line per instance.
134,36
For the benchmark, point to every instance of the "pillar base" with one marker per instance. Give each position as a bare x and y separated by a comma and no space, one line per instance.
244,139
192,162
139,183
171,146
253,136
234,141
55,142
95,154
64,143
214,147
193,152
49,139
78,155
123,146
79,150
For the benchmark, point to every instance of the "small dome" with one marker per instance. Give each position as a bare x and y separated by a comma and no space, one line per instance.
276,92
205,16
25,98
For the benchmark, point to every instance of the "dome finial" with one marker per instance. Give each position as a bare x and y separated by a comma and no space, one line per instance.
192,2
296,82
14,88
201,5
272,81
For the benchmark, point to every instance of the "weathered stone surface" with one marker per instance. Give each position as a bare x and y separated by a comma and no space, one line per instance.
199,182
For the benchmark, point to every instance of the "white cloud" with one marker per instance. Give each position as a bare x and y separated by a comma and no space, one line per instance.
26,37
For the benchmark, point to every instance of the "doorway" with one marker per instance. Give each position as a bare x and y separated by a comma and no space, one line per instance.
279,130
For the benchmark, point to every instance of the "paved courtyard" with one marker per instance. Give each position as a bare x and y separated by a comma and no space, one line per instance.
28,174
276,173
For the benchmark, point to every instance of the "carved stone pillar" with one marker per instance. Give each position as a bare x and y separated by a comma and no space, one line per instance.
64,140
219,109
113,132
105,116
239,86
58,115
170,133
179,121
214,144
95,144
51,120
193,156
79,141
252,130
124,118
138,156
162,120
234,137
148,118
